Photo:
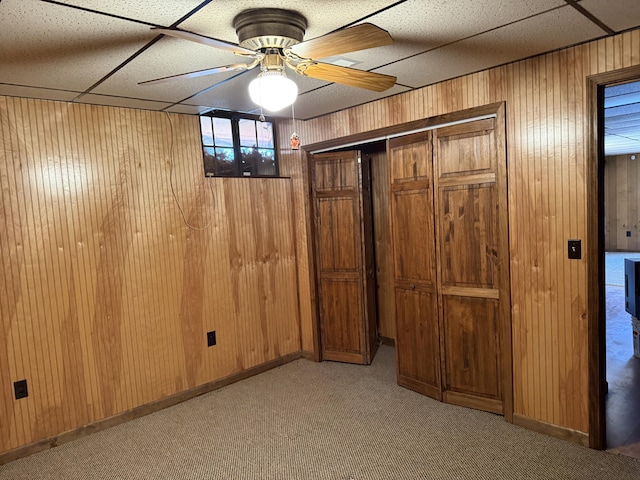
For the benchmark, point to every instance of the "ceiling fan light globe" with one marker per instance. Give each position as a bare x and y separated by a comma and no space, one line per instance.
273,91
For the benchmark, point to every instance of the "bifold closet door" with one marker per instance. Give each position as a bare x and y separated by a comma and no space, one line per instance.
468,235
344,257
412,222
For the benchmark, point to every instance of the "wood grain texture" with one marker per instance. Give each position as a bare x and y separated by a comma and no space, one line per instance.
546,128
383,254
622,203
106,295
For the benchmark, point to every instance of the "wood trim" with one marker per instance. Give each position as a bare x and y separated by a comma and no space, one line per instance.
309,356
596,355
473,401
471,292
478,178
420,387
311,249
552,430
504,286
346,357
71,435
399,129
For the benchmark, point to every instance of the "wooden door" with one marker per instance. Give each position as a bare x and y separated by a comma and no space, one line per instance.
413,238
472,283
344,257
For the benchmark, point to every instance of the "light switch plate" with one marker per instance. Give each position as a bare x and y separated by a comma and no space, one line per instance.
575,249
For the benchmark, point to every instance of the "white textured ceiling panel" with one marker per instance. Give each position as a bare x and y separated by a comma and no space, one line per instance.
418,26
58,49
168,56
337,97
537,34
618,15
229,95
52,46
323,16
161,12
622,119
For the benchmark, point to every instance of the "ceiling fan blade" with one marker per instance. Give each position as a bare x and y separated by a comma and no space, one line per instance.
212,42
346,76
352,39
199,73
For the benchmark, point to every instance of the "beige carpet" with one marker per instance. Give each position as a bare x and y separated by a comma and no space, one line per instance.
320,421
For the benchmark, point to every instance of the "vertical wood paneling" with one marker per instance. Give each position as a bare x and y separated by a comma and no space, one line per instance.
106,294
546,111
622,203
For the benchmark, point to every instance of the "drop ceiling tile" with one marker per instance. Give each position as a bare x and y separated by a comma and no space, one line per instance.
122,102
417,26
323,16
535,35
230,95
336,97
188,109
31,92
159,12
616,14
63,48
168,56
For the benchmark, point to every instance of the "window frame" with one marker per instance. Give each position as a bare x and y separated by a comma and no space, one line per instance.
235,118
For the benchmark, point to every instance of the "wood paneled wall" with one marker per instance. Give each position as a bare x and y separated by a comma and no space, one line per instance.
546,106
105,294
622,203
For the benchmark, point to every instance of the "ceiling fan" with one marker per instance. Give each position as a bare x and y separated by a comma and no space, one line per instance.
272,39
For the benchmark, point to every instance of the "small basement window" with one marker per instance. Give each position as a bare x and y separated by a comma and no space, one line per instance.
235,145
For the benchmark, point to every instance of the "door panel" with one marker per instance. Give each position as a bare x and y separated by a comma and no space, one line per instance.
467,236
471,333
342,317
469,243
417,339
338,243
344,256
414,259
413,234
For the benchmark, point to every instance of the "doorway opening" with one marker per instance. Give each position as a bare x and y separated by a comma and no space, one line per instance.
621,117
614,372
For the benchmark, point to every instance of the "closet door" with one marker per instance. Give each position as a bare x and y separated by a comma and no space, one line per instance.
344,257
412,223
469,217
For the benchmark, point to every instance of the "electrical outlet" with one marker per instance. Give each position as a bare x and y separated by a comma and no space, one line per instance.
211,338
20,389
628,233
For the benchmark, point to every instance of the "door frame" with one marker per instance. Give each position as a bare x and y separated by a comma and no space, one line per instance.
596,307
358,140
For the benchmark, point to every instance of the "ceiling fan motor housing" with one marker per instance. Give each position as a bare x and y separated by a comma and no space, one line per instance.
262,28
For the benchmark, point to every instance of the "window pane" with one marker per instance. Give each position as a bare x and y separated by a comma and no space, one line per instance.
218,161
207,130
265,134
222,131
247,133
250,161
267,164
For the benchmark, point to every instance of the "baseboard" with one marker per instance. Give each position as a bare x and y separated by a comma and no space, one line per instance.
388,341
563,433
142,410
309,356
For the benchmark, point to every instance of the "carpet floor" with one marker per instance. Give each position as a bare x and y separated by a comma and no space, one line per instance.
327,420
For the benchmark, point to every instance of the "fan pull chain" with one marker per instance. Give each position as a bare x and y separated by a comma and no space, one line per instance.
295,139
